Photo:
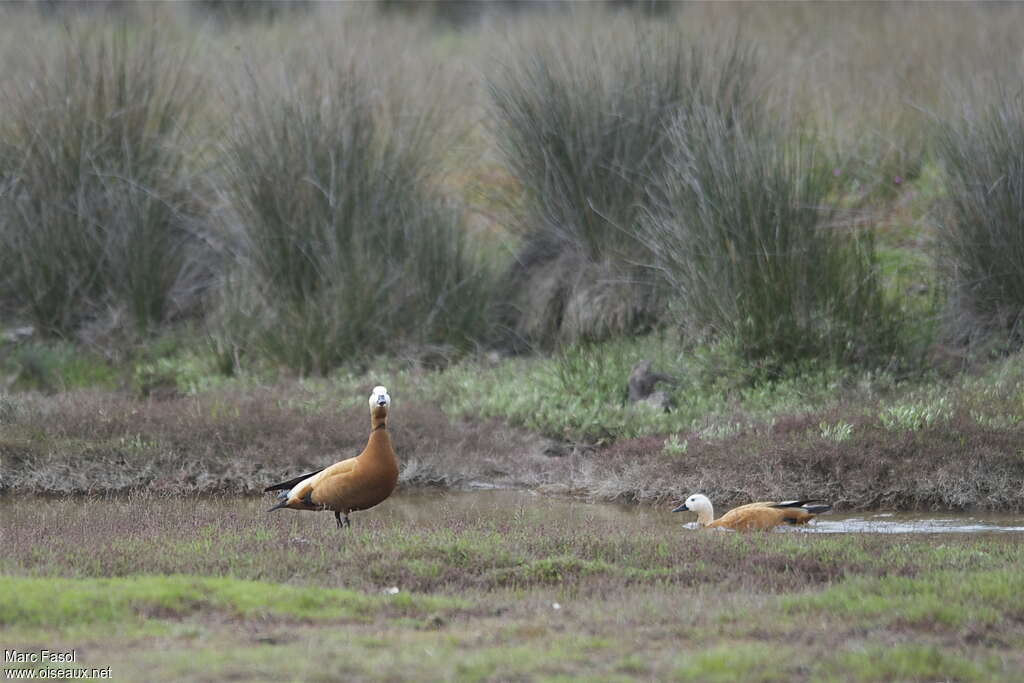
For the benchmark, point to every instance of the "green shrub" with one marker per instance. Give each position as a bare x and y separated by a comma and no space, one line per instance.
343,250
839,432
915,416
96,216
582,126
55,366
980,238
746,242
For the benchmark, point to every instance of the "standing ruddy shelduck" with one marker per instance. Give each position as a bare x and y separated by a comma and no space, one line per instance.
753,516
358,483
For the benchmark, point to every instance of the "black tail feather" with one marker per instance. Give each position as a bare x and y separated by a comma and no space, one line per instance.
291,482
800,503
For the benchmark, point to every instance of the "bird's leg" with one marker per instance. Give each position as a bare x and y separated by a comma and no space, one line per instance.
337,518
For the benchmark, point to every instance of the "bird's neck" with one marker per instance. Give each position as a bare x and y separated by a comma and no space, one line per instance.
378,417
379,443
706,515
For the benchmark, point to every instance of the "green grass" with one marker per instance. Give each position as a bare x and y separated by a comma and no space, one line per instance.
497,586
978,599
58,603
58,366
912,662
736,662
580,394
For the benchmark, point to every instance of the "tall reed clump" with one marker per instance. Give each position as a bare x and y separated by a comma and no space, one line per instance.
745,240
582,127
97,220
343,247
981,236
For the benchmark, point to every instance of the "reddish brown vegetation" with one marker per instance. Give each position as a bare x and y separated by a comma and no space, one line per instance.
238,442
100,443
958,464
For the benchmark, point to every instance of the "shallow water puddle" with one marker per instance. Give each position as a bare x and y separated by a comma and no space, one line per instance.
569,511
900,523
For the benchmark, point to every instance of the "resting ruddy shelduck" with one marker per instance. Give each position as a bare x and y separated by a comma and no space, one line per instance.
753,516
354,484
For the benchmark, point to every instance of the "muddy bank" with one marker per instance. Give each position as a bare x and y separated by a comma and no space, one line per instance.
99,443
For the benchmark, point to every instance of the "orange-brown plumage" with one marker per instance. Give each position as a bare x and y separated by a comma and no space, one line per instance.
759,516
354,484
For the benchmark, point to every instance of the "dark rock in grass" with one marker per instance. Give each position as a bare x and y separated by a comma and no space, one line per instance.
556,449
434,622
642,384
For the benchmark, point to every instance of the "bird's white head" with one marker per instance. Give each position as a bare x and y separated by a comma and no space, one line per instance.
698,503
380,397
380,403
